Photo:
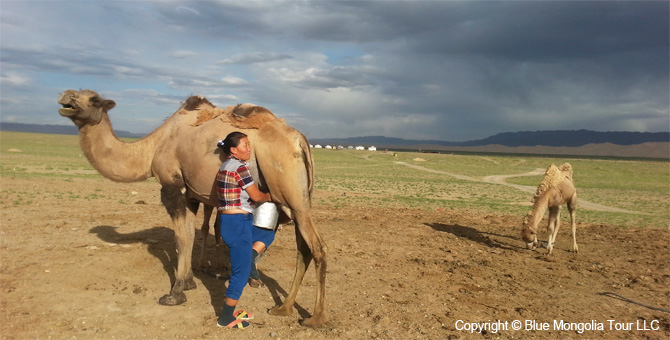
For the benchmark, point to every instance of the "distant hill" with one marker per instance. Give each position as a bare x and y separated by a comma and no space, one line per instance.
57,129
559,142
557,138
570,138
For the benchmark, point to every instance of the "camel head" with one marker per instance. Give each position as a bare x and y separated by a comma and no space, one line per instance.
84,107
527,234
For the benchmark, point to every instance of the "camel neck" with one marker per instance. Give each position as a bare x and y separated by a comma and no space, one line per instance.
115,159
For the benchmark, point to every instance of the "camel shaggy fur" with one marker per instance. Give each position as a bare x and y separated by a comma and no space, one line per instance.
556,189
183,157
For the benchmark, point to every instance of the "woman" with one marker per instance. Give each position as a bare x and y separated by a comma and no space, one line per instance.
238,193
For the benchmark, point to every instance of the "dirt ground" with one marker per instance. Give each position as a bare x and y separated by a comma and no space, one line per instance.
88,259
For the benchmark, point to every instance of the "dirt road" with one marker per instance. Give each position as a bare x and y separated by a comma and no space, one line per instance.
500,179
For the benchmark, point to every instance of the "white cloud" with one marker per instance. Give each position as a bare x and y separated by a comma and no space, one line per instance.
223,100
181,54
230,80
188,10
14,79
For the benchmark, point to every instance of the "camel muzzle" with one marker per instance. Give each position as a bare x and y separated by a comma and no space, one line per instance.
66,100
67,111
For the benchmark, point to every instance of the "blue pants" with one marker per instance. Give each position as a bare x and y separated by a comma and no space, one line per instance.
239,234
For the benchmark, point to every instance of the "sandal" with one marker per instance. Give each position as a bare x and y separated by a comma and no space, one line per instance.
243,315
237,323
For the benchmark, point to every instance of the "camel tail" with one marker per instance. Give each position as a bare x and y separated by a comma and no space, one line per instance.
309,164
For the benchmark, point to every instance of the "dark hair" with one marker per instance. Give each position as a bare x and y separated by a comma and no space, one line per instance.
231,141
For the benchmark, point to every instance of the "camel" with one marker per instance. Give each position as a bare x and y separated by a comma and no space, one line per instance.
556,189
204,232
183,157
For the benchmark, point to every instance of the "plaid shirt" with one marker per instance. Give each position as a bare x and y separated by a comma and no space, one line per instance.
231,181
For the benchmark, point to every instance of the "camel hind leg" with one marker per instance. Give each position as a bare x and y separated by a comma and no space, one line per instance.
310,247
304,257
572,208
204,232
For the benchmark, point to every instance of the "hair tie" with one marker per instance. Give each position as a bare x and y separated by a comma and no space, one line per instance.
220,144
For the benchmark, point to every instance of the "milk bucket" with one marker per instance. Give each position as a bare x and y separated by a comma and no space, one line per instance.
266,215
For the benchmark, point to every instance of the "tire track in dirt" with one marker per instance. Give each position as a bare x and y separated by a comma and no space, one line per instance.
500,179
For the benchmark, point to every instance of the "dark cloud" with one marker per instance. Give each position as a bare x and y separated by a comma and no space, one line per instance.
452,70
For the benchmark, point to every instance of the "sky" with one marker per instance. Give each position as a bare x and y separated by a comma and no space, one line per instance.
431,70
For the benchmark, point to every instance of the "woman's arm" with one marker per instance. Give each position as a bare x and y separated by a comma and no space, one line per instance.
257,195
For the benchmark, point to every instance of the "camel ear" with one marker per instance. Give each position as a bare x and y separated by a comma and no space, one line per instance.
108,104
99,102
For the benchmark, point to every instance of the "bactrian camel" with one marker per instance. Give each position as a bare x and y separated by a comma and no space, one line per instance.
183,157
556,189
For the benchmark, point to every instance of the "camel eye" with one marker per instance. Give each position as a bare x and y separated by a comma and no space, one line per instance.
95,101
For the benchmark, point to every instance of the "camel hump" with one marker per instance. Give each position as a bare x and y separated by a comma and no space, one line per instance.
246,110
250,116
193,102
553,177
566,169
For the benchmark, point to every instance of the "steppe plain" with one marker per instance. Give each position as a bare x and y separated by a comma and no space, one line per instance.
420,246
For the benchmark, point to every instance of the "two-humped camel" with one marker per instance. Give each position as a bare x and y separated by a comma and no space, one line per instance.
183,157
556,189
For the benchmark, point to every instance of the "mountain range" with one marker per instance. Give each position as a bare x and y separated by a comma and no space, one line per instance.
555,138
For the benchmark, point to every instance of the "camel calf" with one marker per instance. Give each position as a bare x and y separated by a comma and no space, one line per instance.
555,190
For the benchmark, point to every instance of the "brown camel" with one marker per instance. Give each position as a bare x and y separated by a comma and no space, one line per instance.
555,190
183,157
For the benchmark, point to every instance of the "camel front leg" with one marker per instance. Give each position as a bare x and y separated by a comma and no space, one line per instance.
554,225
182,213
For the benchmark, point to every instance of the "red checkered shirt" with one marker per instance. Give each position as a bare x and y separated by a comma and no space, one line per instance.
231,181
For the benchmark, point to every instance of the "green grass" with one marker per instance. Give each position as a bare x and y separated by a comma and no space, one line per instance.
39,155
374,179
36,155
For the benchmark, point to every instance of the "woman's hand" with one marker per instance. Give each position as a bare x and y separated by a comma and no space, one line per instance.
257,195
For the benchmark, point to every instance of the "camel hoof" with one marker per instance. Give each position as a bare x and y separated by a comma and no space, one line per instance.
280,311
189,284
314,321
172,299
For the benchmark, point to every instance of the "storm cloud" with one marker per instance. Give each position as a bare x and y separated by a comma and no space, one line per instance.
439,70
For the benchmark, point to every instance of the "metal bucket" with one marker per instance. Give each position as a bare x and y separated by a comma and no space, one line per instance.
266,215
